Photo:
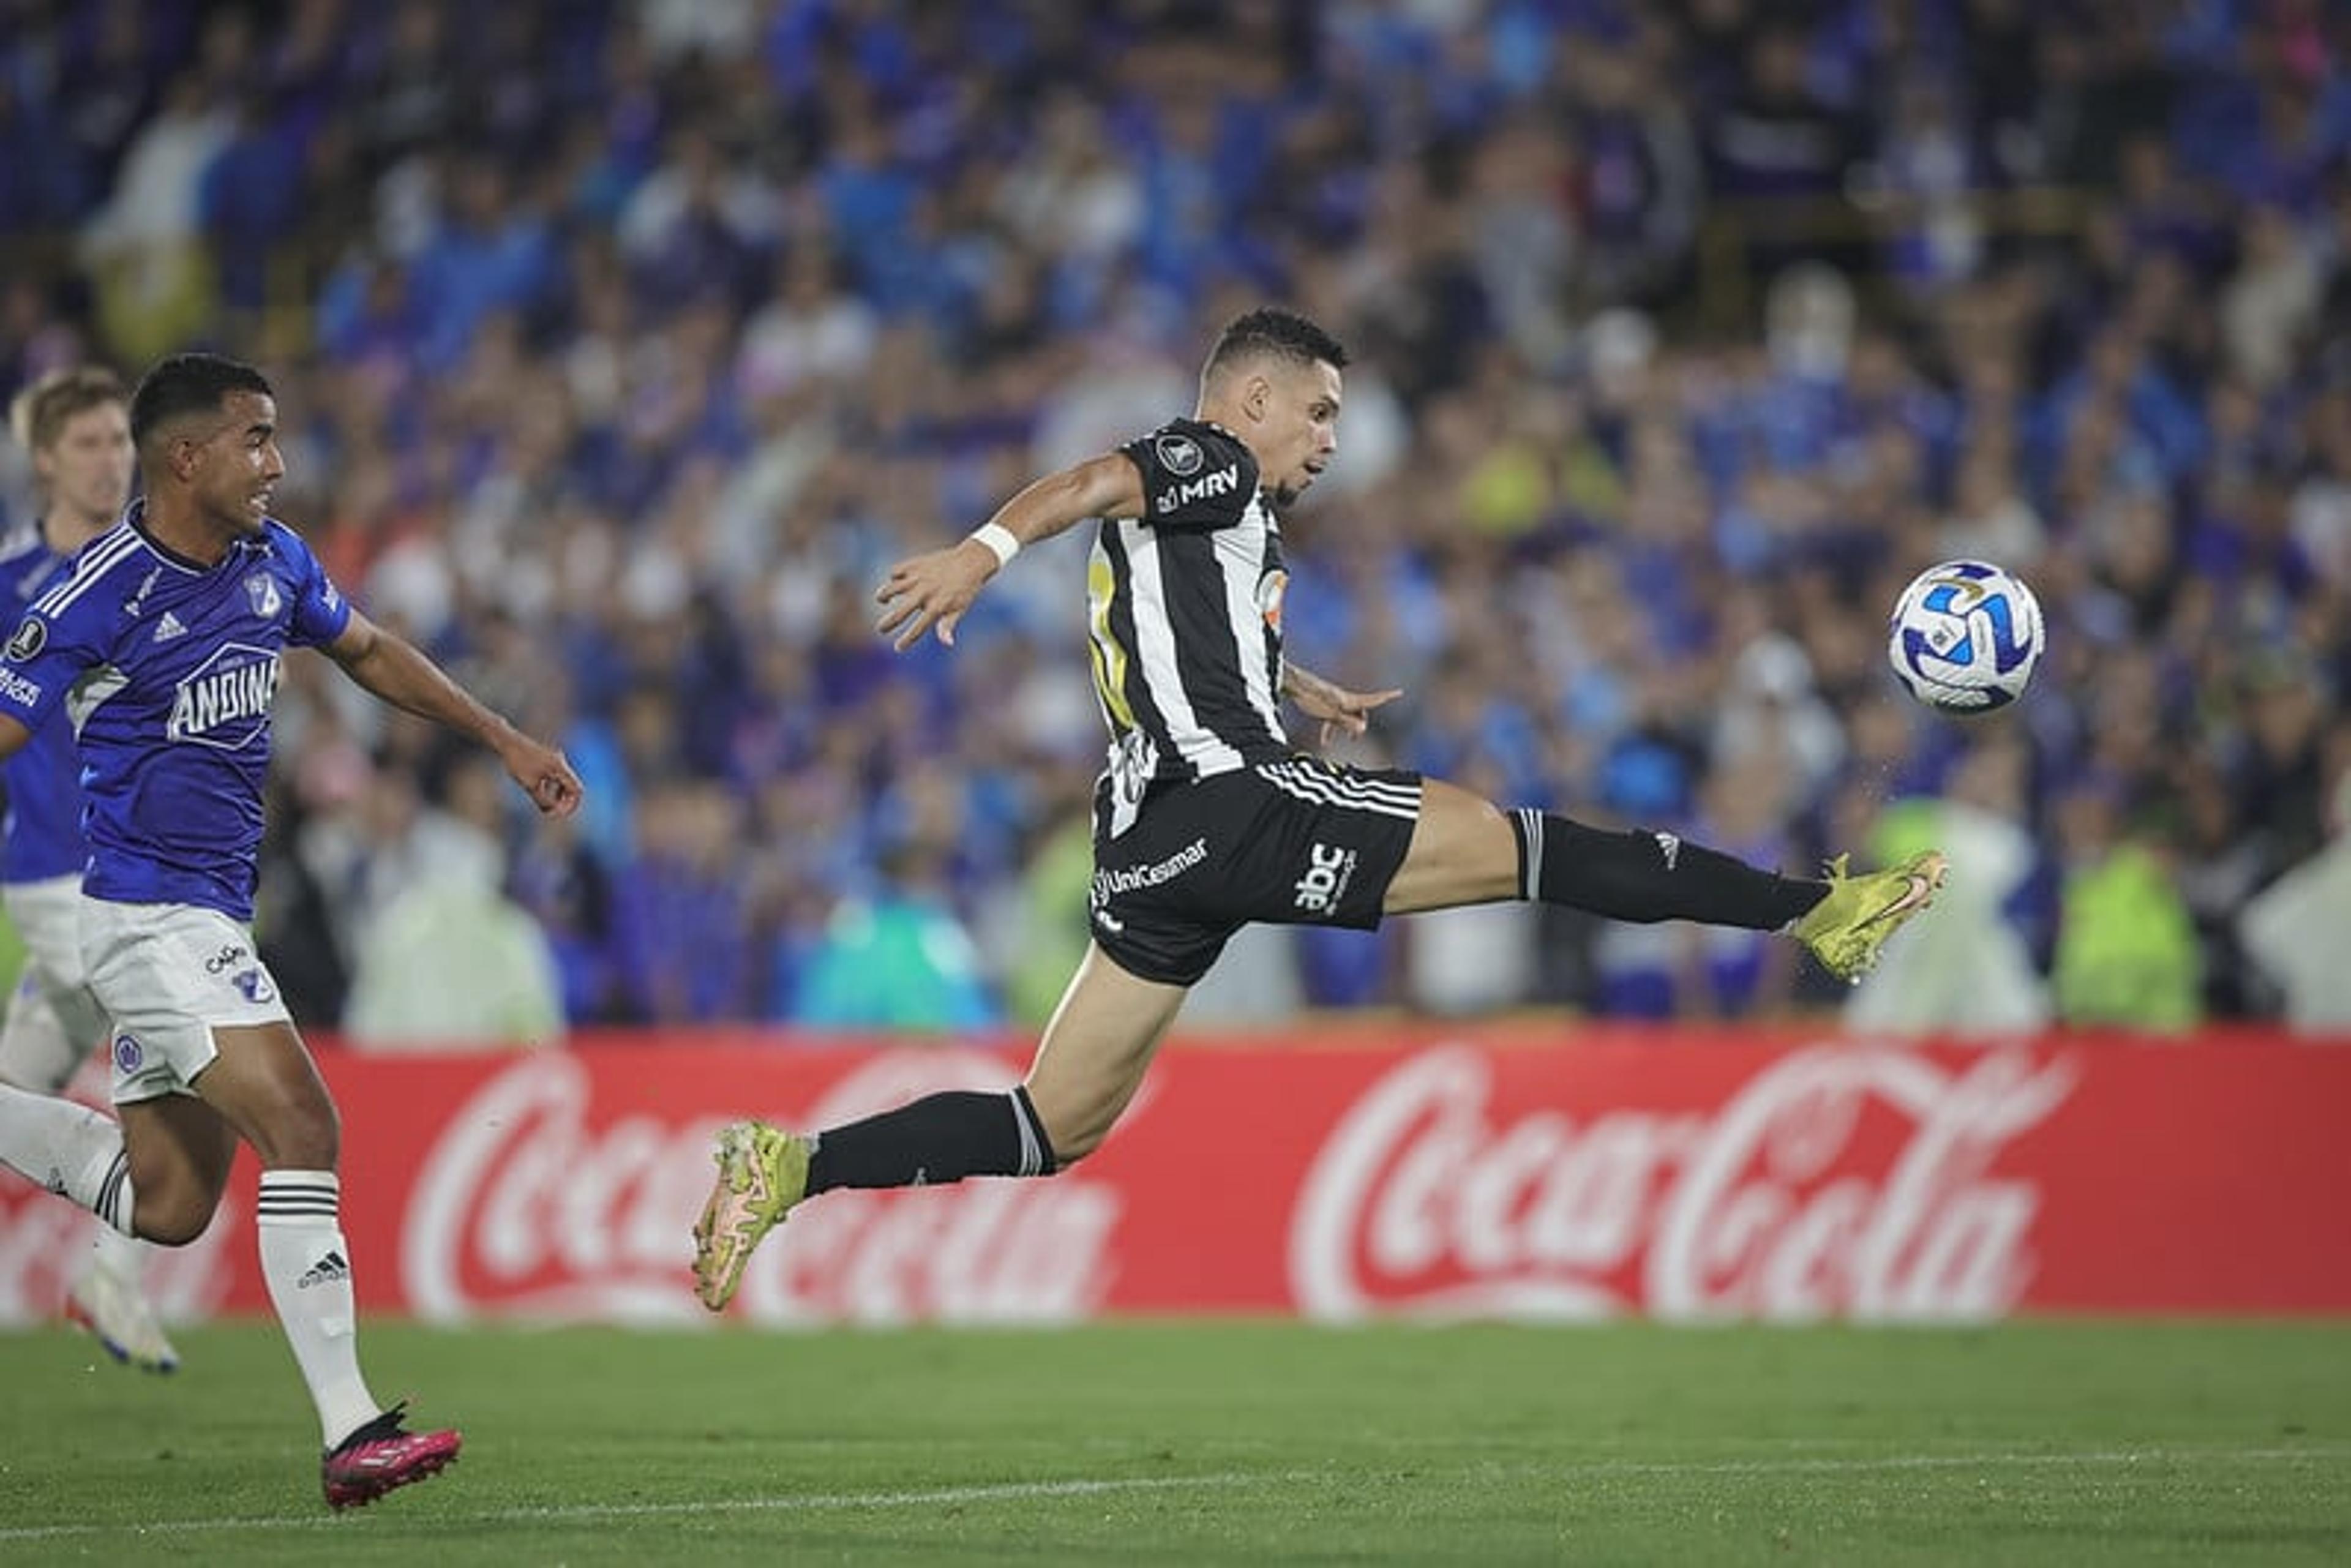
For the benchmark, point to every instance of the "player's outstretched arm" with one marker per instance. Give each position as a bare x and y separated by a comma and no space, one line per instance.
14,736
1347,712
392,668
934,588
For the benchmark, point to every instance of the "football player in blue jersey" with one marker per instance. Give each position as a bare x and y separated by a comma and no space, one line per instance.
161,643
76,423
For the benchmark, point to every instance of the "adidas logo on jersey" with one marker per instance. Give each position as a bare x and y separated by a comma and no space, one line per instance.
325,1271
169,627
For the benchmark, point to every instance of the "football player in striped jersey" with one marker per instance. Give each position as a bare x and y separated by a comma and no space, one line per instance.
1208,817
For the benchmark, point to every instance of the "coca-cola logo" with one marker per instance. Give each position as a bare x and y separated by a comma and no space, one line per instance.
529,1207
1841,1179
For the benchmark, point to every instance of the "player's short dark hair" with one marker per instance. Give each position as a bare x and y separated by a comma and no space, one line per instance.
38,416
188,383
1282,334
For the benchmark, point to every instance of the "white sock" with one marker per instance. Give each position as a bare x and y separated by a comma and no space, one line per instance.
308,1265
118,1255
70,1149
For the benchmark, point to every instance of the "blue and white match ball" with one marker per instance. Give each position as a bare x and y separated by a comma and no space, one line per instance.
1965,637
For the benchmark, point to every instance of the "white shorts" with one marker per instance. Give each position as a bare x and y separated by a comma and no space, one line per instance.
168,975
52,1021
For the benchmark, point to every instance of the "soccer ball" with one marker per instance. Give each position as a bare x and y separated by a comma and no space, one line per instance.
1965,637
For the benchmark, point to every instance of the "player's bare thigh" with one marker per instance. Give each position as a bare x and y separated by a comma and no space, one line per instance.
261,1085
264,1082
1096,1052
1463,851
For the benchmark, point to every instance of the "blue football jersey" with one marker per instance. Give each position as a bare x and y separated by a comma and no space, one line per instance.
167,669
40,836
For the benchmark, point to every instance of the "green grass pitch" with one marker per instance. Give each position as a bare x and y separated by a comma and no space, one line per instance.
1189,1443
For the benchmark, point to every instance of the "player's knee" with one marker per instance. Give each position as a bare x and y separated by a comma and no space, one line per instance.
306,1135
1078,1133
1070,1147
1073,1130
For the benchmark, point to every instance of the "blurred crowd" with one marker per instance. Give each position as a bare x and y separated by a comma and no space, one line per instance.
620,347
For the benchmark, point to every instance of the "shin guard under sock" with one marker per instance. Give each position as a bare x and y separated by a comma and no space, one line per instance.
938,1138
1644,876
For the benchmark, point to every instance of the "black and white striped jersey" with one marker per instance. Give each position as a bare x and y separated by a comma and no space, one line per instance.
1185,613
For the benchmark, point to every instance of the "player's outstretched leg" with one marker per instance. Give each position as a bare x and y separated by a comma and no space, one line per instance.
764,1171
1847,928
107,1301
1842,919
1088,1066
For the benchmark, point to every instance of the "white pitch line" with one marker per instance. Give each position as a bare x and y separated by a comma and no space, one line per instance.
1026,1491
1939,1461
1005,1491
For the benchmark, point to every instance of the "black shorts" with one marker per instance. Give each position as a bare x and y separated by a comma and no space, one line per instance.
1296,841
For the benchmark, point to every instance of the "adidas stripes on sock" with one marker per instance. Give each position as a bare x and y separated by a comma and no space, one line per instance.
70,1149
307,1263
938,1138
1646,877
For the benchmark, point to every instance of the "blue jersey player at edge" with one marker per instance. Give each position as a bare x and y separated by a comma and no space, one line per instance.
162,645
76,425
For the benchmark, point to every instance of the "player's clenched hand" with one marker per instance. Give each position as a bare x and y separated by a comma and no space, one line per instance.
932,589
545,775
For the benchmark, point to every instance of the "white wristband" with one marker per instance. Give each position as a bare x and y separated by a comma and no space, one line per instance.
1000,542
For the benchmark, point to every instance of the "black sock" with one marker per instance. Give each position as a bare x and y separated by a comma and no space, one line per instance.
1644,876
938,1138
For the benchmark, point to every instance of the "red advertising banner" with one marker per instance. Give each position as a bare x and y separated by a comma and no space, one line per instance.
1554,1172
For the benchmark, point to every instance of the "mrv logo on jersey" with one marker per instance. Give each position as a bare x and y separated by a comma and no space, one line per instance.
1223,482
226,700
